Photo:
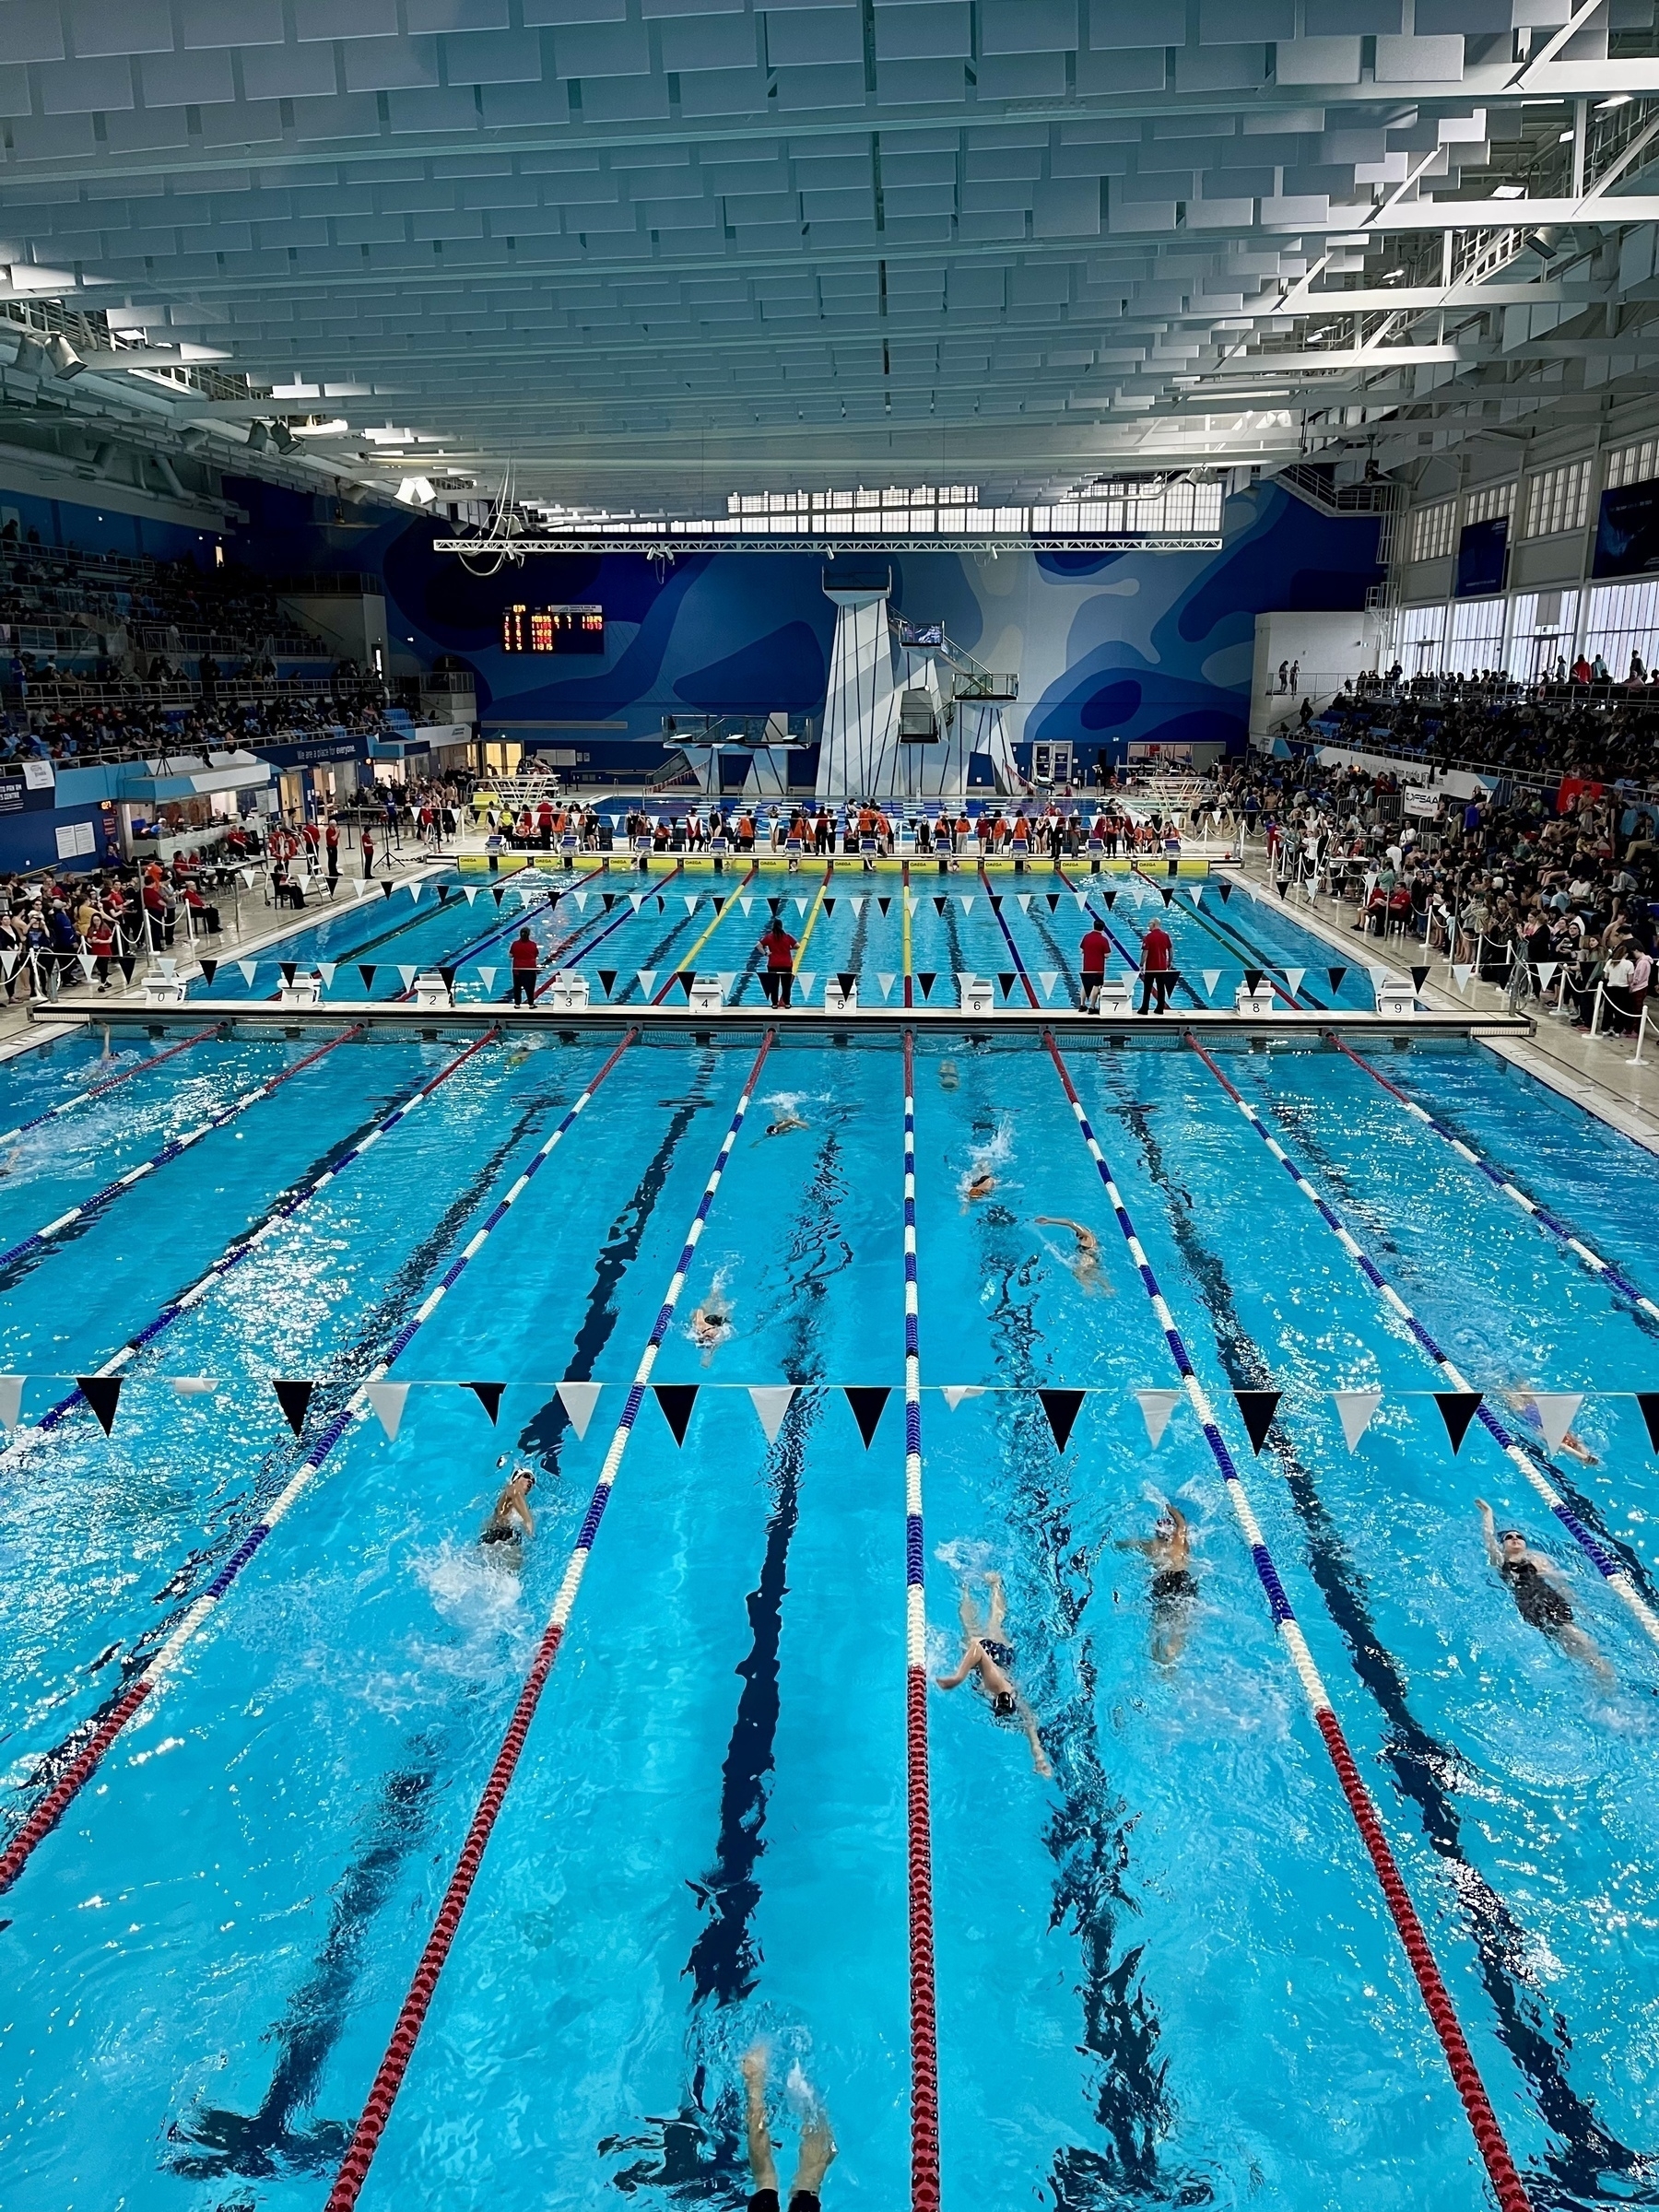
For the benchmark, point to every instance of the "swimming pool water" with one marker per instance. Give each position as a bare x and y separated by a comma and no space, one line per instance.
1165,1976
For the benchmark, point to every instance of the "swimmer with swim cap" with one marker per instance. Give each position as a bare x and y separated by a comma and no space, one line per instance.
1086,1261
1533,1583
510,1520
784,1123
989,1660
978,1186
710,1327
1174,1586
948,1078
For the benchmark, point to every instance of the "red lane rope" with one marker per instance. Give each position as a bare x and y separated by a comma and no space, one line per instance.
924,1998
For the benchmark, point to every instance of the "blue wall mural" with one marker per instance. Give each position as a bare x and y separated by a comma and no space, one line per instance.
1108,648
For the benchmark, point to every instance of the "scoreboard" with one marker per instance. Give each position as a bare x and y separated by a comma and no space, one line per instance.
553,630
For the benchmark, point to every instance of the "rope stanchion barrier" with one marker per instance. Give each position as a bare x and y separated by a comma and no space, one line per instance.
924,1998
412,919
243,1246
148,1683
1605,1562
1501,2167
170,1151
98,1090
1510,1187
400,2049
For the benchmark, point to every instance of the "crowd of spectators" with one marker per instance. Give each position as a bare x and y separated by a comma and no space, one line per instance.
1575,725
147,728
1558,906
1055,830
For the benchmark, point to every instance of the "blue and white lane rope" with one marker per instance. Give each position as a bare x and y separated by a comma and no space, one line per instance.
151,1679
81,1098
170,1151
406,2033
1500,2166
923,1998
1605,1562
1511,1189
235,1253
1019,966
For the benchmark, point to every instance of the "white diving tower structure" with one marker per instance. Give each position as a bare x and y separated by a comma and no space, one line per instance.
910,737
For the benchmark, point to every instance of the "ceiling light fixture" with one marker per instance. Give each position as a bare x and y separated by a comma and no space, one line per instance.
285,438
1510,192
66,361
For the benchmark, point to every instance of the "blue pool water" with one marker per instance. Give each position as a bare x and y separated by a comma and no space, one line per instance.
1166,1976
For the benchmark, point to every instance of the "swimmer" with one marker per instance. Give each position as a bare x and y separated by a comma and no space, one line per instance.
1534,1581
1087,1262
710,1327
1174,1586
991,1660
948,1078
510,1520
1572,1443
818,2145
979,1186
784,1123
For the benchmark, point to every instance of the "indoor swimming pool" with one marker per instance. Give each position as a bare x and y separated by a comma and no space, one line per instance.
1166,1972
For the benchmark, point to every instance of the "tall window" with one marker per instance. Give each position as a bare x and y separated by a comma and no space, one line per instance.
1417,639
1431,531
1623,619
1633,464
1476,638
1488,503
1558,499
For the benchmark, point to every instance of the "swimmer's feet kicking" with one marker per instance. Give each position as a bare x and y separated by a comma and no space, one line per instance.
818,2145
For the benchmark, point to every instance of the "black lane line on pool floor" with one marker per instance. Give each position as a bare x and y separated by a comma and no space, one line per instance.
1089,1831
317,2014
702,2148
1416,1758
354,1359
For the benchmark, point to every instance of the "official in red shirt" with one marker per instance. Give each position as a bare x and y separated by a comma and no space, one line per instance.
778,977
1094,951
524,956
1157,968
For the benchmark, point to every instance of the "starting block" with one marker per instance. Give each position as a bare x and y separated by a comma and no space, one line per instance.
1396,998
430,990
1259,1001
161,985
837,1001
978,995
568,993
707,998
302,991
1115,995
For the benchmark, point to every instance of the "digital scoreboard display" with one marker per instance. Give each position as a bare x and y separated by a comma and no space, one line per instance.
553,630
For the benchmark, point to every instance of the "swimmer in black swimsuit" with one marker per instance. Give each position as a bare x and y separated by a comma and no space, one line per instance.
1174,1586
511,1519
1534,1581
818,2145
988,1657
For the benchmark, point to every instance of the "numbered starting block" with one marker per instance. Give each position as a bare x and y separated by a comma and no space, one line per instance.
978,994
1115,995
1258,1000
1396,997
707,998
302,990
568,993
840,998
161,985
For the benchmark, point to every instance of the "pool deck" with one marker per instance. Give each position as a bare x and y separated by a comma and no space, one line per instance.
682,1020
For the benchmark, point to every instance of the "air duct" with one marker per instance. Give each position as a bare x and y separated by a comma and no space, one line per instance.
259,438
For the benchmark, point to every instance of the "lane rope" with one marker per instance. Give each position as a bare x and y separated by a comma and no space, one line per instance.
1501,2167
688,958
114,1083
1001,923
923,1995
411,2017
241,1247
1605,1563
170,1151
1511,1189
151,1679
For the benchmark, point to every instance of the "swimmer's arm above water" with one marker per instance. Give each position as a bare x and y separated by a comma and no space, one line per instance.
971,1659
1488,1529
